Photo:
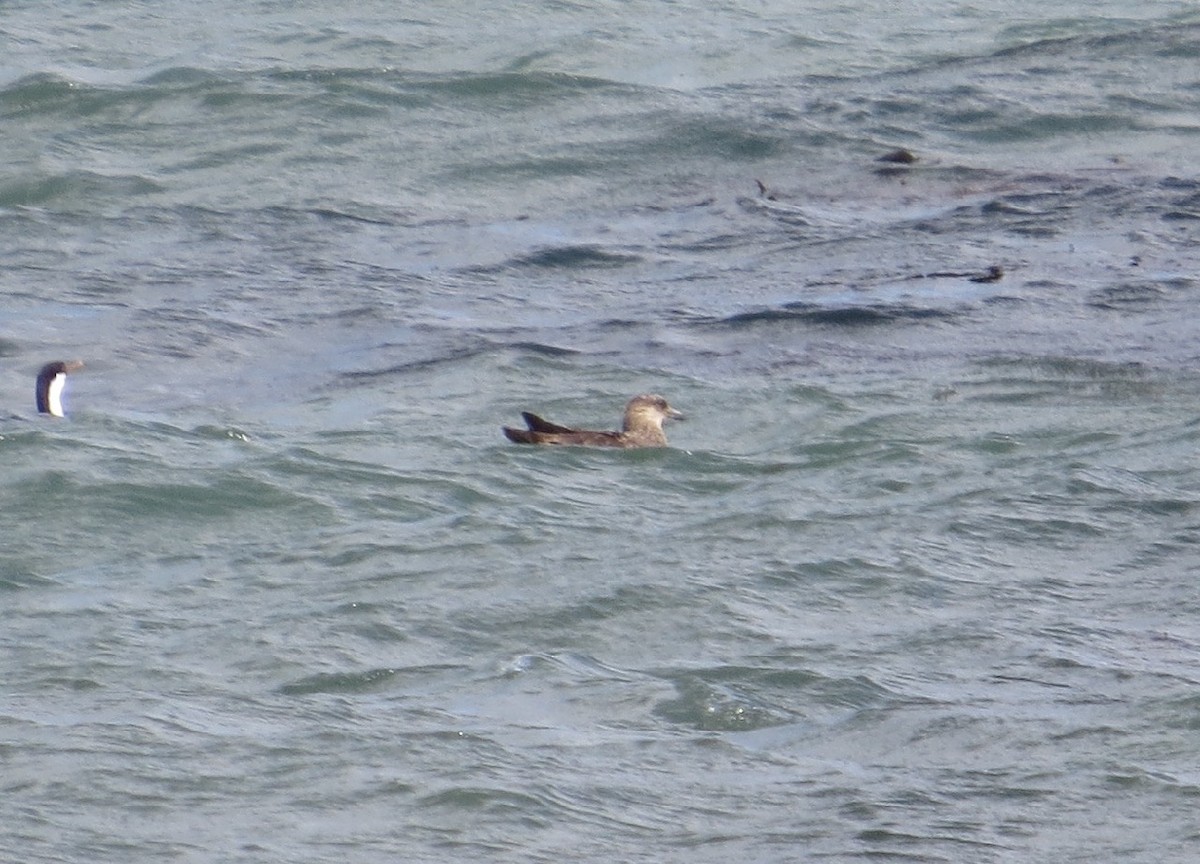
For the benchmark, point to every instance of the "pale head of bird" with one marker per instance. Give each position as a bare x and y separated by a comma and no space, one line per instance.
648,411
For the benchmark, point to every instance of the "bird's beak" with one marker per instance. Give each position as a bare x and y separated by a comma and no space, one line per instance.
73,365
675,414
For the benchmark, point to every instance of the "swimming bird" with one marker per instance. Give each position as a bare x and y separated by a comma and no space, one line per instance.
50,383
642,427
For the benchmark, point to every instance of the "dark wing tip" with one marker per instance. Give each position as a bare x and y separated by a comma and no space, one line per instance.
518,436
538,424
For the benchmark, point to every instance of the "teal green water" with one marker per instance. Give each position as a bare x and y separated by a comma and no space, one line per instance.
915,580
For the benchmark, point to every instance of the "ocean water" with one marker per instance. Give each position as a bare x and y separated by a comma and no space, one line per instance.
916,580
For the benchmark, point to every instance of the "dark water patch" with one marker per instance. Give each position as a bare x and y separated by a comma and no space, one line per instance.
853,576
541,349
369,681
514,89
101,288
351,555
1132,491
841,316
1041,127
713,243
44,93
72,189
1180,183
460,350
1004,300
1182,712
223,157
19,575
539,169
619,325
327,214
1016,391
450,355
367,490
195,328
275,218
1138,295
1180,42
217,500
1184,206
319,466
1014,105
1044,521
348,97
109,502
1039,215
1028,204
622,600
183,77
226,101
1056,56
380,632
1086,44
134,105
712,137
574,257
1068,369
71,683
1135,778
529,810
859,315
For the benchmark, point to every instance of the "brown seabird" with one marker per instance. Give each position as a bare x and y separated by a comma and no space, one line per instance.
642,427
50,383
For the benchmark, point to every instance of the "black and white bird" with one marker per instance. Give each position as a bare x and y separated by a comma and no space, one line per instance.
50,383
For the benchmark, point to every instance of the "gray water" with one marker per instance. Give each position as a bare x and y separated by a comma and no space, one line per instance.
914,582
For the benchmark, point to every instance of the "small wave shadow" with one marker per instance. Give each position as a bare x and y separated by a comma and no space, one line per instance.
839,316
576,256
